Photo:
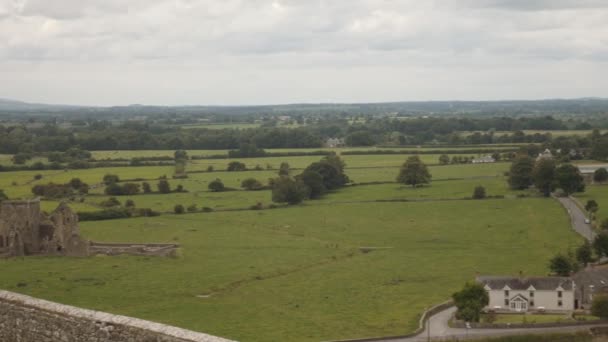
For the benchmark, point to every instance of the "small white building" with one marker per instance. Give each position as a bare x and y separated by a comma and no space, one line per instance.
334,142
522,294
485,159
546,154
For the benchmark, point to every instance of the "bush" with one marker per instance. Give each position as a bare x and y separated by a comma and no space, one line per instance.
192,208
107,214
146,187
129,203
210,168
479,192
207,209
109,179
38,177
216,185
164,187
178,209
257,206
236,166
110,202
599,306
180,188
251,184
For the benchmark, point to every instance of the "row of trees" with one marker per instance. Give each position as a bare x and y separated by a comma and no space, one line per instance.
545,175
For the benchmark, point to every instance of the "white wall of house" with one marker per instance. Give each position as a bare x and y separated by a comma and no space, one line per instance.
549,300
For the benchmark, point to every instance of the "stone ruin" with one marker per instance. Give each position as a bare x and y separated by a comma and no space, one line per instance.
26,230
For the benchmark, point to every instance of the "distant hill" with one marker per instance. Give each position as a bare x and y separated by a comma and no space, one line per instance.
512,107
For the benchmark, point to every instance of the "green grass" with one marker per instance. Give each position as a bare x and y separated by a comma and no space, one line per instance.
599,193
531,318
297,274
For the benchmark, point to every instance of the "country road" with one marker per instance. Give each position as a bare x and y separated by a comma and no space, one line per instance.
577,218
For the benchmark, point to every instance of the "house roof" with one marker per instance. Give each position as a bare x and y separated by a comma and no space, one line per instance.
524,283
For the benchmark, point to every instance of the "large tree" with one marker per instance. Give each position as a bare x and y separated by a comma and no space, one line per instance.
331,168
561,265
414,172
569,179
314,181
600,175
520,174
470,301
543,175
288,190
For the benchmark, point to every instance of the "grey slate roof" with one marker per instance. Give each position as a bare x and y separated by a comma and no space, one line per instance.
524,283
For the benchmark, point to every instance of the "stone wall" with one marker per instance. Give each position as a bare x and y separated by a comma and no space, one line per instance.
27,319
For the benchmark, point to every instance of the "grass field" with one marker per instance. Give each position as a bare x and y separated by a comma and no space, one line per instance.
599,193
531,318
297,274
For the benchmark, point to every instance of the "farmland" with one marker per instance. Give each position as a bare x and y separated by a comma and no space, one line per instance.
296,273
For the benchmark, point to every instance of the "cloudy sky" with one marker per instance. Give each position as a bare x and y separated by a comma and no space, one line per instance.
111,52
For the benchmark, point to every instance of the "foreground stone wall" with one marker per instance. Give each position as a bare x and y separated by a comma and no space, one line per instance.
27,319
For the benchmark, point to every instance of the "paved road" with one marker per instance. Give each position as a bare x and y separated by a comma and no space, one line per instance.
577,218
441,331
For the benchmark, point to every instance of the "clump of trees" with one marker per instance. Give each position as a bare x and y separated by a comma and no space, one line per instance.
251,184
316,180
545,174
414,172
470,302
520,173
247,151
52,190
128,189
444,159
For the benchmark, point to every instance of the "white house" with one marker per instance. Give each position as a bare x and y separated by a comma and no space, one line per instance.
486,159
521,294
546,154
334,142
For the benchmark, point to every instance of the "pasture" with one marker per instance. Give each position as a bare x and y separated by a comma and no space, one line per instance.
299,274
296,273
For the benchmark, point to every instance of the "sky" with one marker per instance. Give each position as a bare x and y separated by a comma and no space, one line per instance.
236,52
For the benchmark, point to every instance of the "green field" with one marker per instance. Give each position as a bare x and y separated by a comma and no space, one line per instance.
297,274
599,193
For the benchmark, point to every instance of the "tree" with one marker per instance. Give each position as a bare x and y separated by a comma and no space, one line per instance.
146,187
75,183
561,265
216,185
600,244
600,175
251,184
543,176
288,190
470,301
599,306
569,179
129,203
520,173
178,209
414,172
236,166
444,159
21,158
130,189
479,192
359,138
113,189
180,155
284,169
331,168
247,151
584,253
192,208
314,181
163,186
109,179
110,202
591,206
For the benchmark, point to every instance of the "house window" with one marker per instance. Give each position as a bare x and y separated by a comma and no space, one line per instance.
559,294
559,303
531,294
506,293
513,305
1,241
506,302
531,303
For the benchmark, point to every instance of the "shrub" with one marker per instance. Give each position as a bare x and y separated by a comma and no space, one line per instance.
110,202
207,209
236,166
146,187
180,188
178,209
257,206
164,187
107,214
216,185
479,192
129,203
109,179
38,176
75,183
210,168
251,184
599,306
192,208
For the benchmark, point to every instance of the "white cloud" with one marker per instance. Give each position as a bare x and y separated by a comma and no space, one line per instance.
261,51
